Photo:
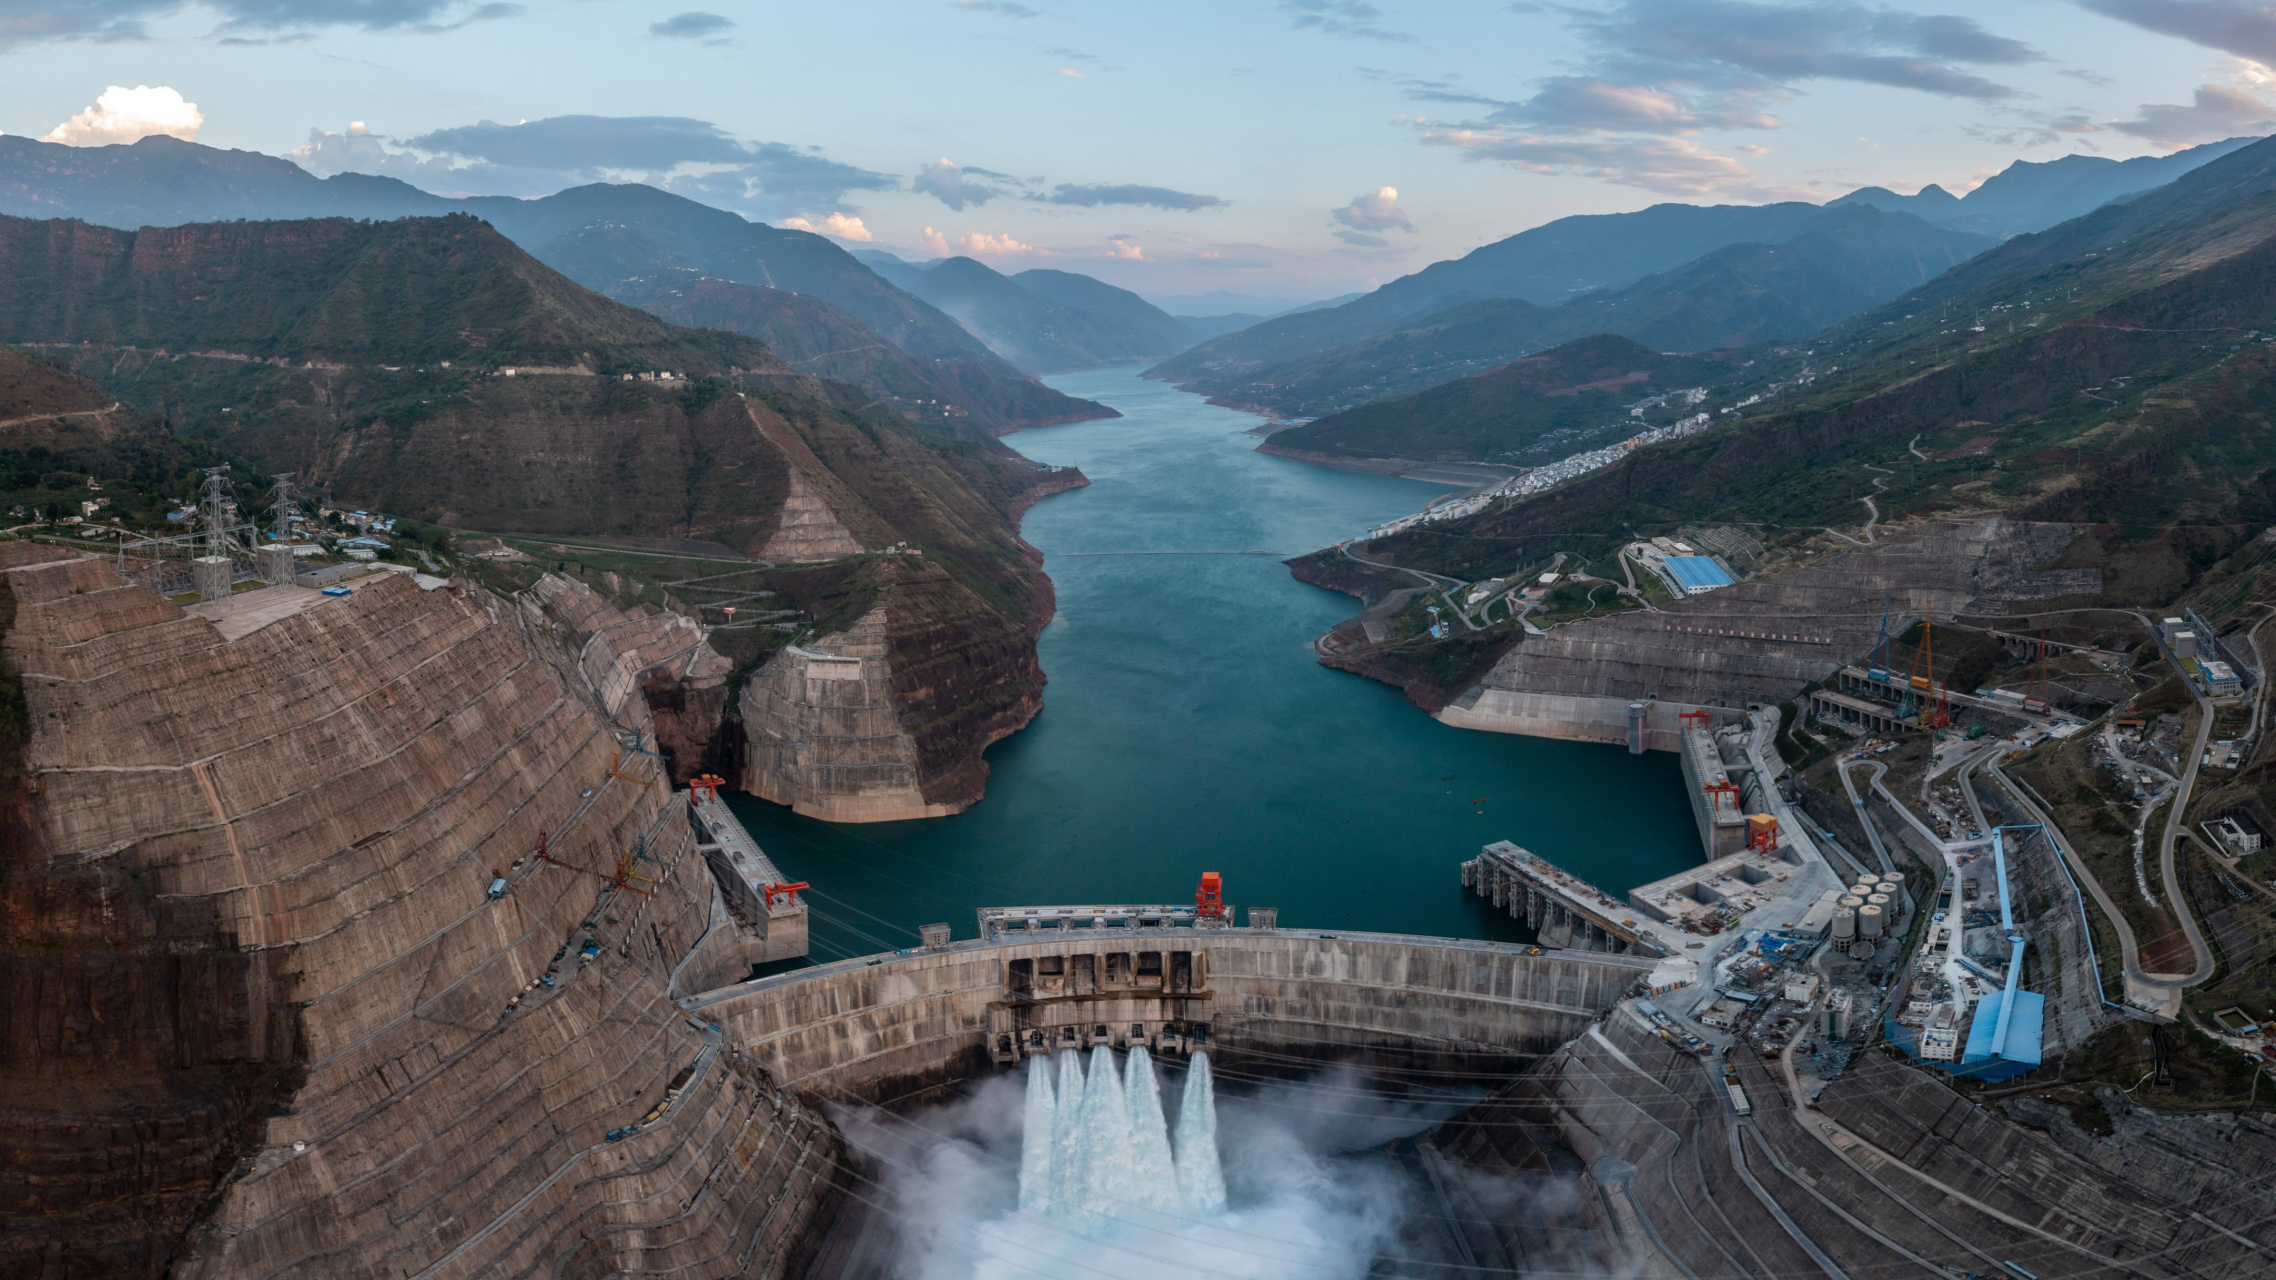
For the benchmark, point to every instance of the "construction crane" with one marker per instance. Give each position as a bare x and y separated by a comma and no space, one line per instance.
1935,710
1209,899
705,787
1701,715
1716,791
789,891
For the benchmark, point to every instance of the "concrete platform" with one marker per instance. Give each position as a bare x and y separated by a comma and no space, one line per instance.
246,612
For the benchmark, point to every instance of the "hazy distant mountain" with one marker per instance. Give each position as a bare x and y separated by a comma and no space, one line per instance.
1165,332
1042,321
595,235
1220,302
957,397
2032,195
1842,261
1206,327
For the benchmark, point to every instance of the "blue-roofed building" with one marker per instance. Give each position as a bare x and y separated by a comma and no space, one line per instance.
1696,574
2003,1041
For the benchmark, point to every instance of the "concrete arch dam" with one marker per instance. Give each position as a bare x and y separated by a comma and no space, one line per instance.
885,1028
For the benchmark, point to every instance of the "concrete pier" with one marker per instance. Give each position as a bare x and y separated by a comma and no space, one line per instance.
1566,911
773,924
1721,815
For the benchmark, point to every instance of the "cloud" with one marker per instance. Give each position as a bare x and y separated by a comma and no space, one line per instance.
1377,210
2246,28
1363,240
1090,197
1671,166
934,243
125,115
959,186
97,21
1001,8
1736,44
1347,18
2218,111
1586,104
539,157
1123,246
693,25
110,21
980,243
1069,73
836,224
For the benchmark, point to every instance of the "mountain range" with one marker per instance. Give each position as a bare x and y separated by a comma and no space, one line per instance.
596,235
1826,264
2112,371
1618,263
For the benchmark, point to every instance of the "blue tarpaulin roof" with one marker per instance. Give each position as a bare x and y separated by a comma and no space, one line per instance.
1697,573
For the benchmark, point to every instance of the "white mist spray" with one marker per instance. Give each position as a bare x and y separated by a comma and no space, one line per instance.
1201,1179
1035,1152
1066,1135
1154,1177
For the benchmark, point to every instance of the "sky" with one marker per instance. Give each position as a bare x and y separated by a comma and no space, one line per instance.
1242,151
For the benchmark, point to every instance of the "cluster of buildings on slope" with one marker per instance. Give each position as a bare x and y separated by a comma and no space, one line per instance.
1527,483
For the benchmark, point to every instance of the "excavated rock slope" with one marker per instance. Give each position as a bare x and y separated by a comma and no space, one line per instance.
254,871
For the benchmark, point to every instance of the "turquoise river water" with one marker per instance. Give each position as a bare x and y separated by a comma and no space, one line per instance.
1189,728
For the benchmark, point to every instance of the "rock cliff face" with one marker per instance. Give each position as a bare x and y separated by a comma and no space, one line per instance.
263,1016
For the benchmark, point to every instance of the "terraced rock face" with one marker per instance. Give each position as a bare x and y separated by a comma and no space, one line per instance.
254,968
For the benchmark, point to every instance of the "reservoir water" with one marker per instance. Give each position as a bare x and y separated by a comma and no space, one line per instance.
1189,728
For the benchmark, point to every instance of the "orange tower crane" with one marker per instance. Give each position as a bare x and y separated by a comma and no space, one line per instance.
1716,791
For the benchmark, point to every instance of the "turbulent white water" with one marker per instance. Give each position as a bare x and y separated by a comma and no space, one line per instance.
1074,1170
1096,1145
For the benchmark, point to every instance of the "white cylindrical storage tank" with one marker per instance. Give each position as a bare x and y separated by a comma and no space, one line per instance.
210,574
1844,926
1880,900
1860,889
1869,878
1852,901
1869,921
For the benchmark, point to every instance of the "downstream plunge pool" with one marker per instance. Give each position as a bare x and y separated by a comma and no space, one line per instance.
1189,728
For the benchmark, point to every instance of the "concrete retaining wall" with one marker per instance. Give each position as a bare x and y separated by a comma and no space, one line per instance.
882,1030
1574,717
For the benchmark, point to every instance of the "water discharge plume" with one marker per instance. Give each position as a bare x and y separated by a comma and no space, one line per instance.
1039,1137
1201,1179
1066,1136
1109,1175
1152,1170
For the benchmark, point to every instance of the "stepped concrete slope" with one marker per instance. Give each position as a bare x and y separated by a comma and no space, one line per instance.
260,864
1764,639
1889,1173
824,737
